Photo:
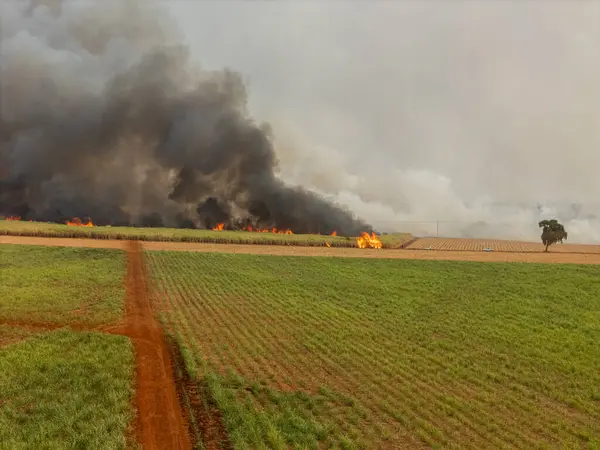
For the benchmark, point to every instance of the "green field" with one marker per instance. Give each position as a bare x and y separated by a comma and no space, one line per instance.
63,390
61,285
351,353
40,229
11,334
300,352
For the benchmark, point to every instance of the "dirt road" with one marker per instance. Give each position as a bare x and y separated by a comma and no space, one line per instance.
284,250
63,242
160,419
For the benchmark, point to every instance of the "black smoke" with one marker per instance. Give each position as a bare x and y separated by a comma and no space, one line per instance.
104,116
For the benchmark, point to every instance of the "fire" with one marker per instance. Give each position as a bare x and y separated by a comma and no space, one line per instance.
334,233
365,241
76,222
12,218
271,230
251,229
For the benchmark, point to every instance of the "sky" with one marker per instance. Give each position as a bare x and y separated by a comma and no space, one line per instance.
423,111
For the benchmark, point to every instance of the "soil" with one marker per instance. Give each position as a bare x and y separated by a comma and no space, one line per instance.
460,255
160,423
584,254
63,242
497,245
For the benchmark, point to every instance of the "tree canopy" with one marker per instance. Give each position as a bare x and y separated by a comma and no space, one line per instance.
552,232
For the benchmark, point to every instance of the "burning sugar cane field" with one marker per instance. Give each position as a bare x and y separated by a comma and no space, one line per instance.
175,274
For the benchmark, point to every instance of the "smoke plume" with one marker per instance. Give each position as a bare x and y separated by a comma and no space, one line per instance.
480,115
103,115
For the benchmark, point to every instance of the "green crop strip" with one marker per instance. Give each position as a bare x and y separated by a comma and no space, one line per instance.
61,285
62,390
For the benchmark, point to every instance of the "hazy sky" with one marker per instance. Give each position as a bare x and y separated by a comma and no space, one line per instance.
431,102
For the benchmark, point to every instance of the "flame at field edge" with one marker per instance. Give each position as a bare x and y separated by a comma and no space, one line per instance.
76,222
251,229
365,240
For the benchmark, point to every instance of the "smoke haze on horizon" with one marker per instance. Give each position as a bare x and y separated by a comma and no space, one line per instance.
483,116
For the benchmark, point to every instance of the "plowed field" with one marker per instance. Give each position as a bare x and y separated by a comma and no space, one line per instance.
497,245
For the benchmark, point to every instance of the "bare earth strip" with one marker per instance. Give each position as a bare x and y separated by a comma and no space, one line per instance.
161,422
63,242
460,254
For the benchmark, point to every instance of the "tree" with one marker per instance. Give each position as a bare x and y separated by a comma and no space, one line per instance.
552,232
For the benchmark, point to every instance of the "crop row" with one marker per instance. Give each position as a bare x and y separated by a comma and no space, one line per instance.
345,243
356,331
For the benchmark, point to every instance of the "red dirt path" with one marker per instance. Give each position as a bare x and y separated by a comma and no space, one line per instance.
161,423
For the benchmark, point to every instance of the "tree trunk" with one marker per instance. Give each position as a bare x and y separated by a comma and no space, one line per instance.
546,247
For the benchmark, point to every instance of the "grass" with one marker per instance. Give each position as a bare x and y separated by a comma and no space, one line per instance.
10,335
61,285
40,229
352,353
66,390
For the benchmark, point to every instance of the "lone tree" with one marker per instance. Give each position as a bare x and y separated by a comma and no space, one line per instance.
552,232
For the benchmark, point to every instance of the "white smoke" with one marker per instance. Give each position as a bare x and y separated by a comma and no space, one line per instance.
424,202
480,116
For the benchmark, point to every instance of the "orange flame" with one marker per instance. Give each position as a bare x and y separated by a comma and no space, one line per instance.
13,218
251,229
334,233
365,241
271,230
76,222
